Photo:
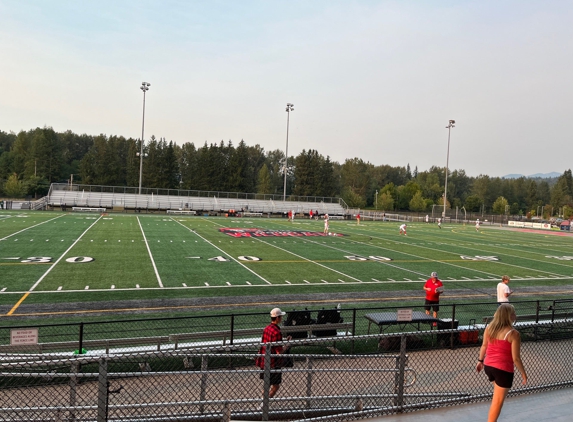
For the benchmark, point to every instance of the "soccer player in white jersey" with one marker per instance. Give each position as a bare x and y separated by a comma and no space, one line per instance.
403,229
440,223
477,225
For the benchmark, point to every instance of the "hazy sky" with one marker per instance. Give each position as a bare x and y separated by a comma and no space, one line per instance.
377,80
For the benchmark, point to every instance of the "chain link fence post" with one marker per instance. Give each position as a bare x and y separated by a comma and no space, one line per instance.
203,386
102,391
308,381
452,327
74,369
399,376
267,383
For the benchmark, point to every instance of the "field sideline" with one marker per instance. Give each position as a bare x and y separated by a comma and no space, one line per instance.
50,259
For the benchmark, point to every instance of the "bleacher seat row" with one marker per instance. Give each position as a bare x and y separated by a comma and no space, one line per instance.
82,199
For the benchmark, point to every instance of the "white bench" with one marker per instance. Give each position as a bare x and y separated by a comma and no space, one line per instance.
89,209
183,212
336,217
252,214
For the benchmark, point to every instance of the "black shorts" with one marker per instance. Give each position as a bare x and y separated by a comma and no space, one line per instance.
432,304
276,377
502,378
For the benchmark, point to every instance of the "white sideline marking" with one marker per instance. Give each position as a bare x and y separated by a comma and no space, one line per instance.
150,255
60,258
31,227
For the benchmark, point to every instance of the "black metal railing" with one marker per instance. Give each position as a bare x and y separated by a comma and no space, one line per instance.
222,383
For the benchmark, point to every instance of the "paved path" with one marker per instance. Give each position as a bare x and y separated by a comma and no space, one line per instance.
554,406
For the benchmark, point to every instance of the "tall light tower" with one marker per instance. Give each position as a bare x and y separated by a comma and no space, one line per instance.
144,87
289,108
449,127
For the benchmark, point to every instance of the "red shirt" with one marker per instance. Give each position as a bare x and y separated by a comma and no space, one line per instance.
432,294
498,355
271,334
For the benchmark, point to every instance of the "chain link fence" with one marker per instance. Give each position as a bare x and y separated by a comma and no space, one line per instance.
347,364
223,384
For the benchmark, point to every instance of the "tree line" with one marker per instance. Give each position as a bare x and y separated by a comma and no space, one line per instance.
31,160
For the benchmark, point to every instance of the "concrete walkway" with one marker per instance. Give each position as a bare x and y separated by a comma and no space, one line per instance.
554,406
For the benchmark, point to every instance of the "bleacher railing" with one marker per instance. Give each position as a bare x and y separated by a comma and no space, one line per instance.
189,193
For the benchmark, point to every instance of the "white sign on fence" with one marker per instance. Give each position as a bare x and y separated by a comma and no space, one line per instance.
404,315
24,336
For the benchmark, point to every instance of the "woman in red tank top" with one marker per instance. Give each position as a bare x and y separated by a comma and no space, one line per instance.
501,349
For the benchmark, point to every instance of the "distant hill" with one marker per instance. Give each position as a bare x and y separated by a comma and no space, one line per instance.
533,176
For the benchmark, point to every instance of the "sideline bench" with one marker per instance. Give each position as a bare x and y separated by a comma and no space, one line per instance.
172,341
546,325
183,212
336,217
532,318
226,335
106,344
89,209
252,214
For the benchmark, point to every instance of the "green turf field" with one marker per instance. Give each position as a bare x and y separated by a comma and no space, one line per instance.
48,257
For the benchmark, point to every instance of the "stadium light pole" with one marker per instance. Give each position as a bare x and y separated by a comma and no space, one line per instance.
144,87
289,108
376,200
450,125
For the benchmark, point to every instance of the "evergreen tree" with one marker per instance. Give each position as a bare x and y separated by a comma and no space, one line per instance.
417,203
264,185
14,187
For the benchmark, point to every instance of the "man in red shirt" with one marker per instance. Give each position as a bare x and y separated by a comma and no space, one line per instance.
433,288
272,334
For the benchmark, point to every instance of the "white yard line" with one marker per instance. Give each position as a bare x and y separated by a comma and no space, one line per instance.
309,260
448,263
222,251
31,227
150,254
60,258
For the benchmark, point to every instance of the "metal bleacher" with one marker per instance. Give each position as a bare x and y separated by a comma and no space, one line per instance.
80,196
